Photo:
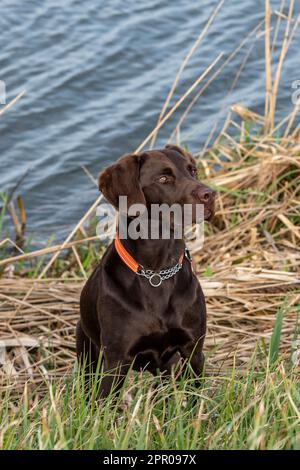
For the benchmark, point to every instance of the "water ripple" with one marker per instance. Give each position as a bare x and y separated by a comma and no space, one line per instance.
96,76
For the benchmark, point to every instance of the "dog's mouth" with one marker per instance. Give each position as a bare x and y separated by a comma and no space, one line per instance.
206,214
209,212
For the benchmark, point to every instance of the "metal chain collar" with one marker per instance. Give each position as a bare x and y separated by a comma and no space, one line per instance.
156,278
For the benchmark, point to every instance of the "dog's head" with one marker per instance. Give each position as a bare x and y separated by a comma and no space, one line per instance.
167,176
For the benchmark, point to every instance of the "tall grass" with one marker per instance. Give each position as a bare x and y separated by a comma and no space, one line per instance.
249,270
253,410
3,208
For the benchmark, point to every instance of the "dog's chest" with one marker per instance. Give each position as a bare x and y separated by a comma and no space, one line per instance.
163,326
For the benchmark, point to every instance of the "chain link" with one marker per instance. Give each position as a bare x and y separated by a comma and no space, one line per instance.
162,275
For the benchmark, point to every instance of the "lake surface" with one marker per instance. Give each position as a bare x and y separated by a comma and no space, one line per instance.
96,75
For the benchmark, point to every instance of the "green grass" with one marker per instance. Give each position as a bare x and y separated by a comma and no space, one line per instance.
256,409
65,264
276,335
3,208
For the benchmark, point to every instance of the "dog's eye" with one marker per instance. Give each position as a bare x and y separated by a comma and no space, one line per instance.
163,179
194,171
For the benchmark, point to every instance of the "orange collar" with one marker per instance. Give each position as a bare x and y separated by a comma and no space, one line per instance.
149,274
125,256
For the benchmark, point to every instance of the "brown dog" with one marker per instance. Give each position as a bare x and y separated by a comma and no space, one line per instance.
135,320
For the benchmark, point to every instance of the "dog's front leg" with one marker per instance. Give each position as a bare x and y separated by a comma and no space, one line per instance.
114,376
194,355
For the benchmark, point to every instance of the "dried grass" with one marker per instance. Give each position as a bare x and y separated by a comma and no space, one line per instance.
37,342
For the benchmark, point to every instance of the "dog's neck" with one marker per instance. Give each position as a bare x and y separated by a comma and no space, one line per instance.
155,254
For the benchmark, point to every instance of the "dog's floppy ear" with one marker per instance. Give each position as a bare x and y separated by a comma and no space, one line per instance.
122,179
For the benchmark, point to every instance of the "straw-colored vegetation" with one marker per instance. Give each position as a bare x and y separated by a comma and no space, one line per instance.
249,269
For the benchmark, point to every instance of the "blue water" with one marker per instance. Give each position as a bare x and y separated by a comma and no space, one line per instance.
96,74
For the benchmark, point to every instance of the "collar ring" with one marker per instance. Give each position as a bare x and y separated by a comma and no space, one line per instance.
153,282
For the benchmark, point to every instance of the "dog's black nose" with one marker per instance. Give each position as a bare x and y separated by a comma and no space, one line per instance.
205,195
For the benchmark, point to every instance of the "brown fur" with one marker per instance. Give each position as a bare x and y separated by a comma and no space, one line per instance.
121,313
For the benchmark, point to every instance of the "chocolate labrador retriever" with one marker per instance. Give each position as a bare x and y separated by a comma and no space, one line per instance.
143,306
